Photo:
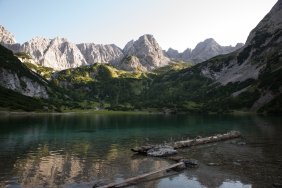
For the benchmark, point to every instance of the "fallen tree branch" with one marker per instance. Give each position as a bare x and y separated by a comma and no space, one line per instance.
175,145
131,180
189,143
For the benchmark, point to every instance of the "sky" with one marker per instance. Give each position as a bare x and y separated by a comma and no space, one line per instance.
179,24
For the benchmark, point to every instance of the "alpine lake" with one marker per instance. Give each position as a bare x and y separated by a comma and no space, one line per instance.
85,149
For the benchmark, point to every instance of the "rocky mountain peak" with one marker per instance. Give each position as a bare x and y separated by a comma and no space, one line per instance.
146,42
172,53
147,39
271,23
39,40
210,48
206,45
209,41
6,37
59,41
60,54
148,51
203,51
186,55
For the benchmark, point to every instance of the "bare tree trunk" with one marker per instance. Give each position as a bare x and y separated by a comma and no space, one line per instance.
131,180
193,142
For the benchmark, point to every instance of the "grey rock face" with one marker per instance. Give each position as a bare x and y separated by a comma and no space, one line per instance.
207,49
8,40
6,37
23,85
97,53
203,51
270,24
148,51
17,77
131,63
13,47
232,72
57,53
186,55
62,54
36,47
173,54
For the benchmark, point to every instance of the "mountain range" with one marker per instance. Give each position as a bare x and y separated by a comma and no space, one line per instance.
55,74
145,54
203,51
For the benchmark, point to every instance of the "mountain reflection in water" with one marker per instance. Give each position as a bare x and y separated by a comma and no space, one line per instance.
79,150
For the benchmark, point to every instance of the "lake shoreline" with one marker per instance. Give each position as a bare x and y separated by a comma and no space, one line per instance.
112,112
6,112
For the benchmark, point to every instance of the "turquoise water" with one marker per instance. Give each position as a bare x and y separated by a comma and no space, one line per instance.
74,150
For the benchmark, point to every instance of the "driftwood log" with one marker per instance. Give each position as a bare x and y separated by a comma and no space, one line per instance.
191,142
134,179
182,163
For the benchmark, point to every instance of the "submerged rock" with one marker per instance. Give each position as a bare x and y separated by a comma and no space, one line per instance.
161,151
241,143
190,162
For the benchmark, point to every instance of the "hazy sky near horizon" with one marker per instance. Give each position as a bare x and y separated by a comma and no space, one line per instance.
174,23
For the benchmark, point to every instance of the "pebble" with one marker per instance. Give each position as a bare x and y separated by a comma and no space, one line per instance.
213,164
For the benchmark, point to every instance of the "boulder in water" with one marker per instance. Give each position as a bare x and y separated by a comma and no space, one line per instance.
161,151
